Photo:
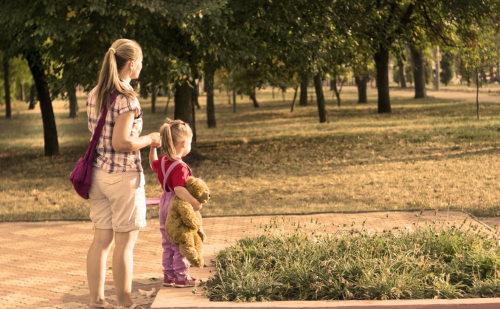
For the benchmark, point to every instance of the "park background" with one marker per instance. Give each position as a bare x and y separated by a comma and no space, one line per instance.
298,107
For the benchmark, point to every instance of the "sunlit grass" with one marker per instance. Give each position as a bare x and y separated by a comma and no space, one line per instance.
429,153
434,261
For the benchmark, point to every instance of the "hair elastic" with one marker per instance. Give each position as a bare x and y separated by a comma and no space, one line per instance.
113,50
169,125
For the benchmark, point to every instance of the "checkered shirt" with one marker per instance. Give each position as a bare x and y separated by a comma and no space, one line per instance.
105,156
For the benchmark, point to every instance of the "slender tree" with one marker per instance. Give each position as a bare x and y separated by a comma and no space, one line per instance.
6,83
304,83
401,73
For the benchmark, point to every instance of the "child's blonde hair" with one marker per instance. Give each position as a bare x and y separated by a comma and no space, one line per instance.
120,52
173,132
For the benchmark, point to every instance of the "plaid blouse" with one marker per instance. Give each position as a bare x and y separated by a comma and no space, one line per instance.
105,156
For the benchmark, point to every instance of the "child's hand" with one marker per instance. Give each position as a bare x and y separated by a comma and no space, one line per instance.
197,207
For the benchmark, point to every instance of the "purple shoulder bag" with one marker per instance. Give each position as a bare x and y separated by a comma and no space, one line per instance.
81,176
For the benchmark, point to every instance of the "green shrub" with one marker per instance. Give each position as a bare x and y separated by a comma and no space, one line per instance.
431,262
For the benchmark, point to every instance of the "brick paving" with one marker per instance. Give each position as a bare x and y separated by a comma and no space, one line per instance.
42,265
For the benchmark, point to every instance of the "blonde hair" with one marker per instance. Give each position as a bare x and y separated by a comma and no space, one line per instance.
119,54
173,132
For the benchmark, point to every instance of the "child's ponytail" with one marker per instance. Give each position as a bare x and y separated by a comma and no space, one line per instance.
118,55
172,132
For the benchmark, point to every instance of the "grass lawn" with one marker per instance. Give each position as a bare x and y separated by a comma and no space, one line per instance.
429,153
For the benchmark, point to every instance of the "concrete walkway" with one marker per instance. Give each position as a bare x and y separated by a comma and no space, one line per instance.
42,265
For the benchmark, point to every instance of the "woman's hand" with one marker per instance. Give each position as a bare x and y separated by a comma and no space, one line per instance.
155,139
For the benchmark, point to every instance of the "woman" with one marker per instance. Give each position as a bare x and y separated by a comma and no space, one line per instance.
117,198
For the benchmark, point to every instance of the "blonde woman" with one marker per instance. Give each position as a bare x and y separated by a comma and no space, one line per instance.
117,198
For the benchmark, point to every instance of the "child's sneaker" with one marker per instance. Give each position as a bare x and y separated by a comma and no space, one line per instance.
168,281
185,282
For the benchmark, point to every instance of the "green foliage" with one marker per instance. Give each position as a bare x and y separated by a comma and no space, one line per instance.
431,262
476,55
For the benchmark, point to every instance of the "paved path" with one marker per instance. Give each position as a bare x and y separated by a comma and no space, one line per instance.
42,265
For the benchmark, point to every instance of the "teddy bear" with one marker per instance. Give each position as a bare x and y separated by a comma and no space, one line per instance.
184,225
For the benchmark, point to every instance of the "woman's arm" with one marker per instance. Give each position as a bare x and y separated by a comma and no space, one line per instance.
123,142
184,194
153,156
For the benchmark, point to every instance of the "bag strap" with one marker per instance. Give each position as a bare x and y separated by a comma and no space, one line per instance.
102,120
170,169
98,129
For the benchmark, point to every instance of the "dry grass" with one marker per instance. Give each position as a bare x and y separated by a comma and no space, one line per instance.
429,153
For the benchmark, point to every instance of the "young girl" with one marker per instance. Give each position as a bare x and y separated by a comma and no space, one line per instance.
176,137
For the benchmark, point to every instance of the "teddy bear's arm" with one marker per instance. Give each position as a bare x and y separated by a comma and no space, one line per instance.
188,216
202,234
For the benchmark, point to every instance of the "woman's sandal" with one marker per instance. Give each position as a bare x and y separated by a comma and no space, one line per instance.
104,305
134,306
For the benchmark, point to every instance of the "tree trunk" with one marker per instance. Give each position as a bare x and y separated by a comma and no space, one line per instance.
168,101
23,92
254,98
294,97
320,98
48,119
193,115
143,91
336,90
196,94
418,73
303,90
154,91
382,66
32,97
204,85
234,101
401,69
184,107
6,84
477,94
73,102
228,95
361,83
332,84
435,56
209,88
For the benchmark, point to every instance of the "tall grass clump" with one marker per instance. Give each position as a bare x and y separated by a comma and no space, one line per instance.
432,262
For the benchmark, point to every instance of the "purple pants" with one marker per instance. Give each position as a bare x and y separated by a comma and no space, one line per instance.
174,263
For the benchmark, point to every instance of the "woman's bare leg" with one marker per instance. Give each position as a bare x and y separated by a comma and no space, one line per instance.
123,265
96,264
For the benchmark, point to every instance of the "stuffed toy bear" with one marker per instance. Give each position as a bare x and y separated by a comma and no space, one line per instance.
183,225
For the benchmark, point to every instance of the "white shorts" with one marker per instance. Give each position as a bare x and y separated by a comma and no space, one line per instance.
117,200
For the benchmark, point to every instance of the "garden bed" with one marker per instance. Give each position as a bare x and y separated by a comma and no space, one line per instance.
437,261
